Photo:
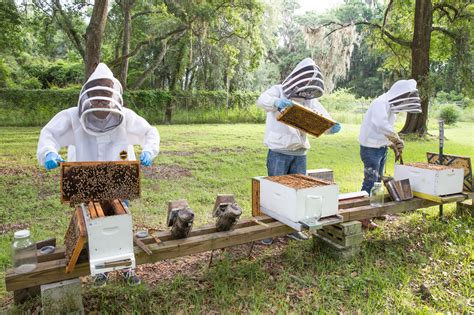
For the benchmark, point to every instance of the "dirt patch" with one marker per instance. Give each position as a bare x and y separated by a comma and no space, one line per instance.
12,227
178,153
196,265
228,150
171,171
19,171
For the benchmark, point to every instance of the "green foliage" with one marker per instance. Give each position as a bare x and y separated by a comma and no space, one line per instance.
450,114
37,107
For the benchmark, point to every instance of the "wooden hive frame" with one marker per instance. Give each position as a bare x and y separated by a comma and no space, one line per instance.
76,175
305,119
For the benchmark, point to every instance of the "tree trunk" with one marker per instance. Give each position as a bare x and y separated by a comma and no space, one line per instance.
179,69
127,31
420,65
156,62
94,35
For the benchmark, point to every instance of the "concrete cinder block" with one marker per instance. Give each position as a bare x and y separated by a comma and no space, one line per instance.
62,297
335,250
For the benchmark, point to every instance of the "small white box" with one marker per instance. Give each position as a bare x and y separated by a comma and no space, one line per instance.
432,179
110,242
290,202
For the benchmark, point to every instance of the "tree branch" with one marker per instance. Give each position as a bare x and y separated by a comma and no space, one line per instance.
385,15
445,32
68,28
395,39
148,41
138,14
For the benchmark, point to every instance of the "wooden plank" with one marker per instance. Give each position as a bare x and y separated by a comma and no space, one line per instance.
353,195
207,229
99,210
53,271
140,244
256,197
203,239
118,207
365,212
424,196
92,211
77,236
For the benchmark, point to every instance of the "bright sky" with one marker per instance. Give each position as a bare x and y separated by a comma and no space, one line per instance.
317,5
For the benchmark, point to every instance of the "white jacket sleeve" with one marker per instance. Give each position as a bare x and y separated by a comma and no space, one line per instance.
268,98
141,132
57,133
380,119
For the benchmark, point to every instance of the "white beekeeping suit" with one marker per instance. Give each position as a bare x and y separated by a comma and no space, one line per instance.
303,85
99,128
380,117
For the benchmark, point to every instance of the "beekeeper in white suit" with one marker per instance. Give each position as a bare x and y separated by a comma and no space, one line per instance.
377,131
98,129
287,145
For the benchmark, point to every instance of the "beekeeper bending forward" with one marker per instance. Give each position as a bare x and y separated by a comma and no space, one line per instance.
377,132
287,145
98,129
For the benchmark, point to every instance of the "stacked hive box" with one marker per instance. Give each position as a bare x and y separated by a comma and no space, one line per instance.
340,240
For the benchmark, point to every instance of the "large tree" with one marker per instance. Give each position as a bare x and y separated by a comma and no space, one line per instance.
402,29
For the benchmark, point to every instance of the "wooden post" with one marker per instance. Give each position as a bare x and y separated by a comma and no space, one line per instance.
256,197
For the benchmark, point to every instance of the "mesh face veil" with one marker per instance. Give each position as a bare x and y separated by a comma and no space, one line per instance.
305,81
403,97
408,102
100,103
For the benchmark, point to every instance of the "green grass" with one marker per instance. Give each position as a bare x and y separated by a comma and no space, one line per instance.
386,276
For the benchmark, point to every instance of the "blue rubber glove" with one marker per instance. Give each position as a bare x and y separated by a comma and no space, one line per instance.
52,160
336,128
283,103
145,158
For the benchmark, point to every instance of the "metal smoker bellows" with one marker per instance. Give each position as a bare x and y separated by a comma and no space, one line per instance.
227,212
180,218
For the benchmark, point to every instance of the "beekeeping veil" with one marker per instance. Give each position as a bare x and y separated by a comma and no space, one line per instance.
403,97
100,102
305,81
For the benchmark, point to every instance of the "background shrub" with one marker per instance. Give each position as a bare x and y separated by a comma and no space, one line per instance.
450,114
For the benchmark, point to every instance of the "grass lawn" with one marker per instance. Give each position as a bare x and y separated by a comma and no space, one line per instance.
197,162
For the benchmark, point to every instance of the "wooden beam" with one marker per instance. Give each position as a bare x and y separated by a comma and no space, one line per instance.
92,211
53,271
98,209
256,197
203,239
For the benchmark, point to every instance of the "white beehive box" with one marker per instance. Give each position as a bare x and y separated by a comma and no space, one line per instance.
289,201
110,241
432,179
